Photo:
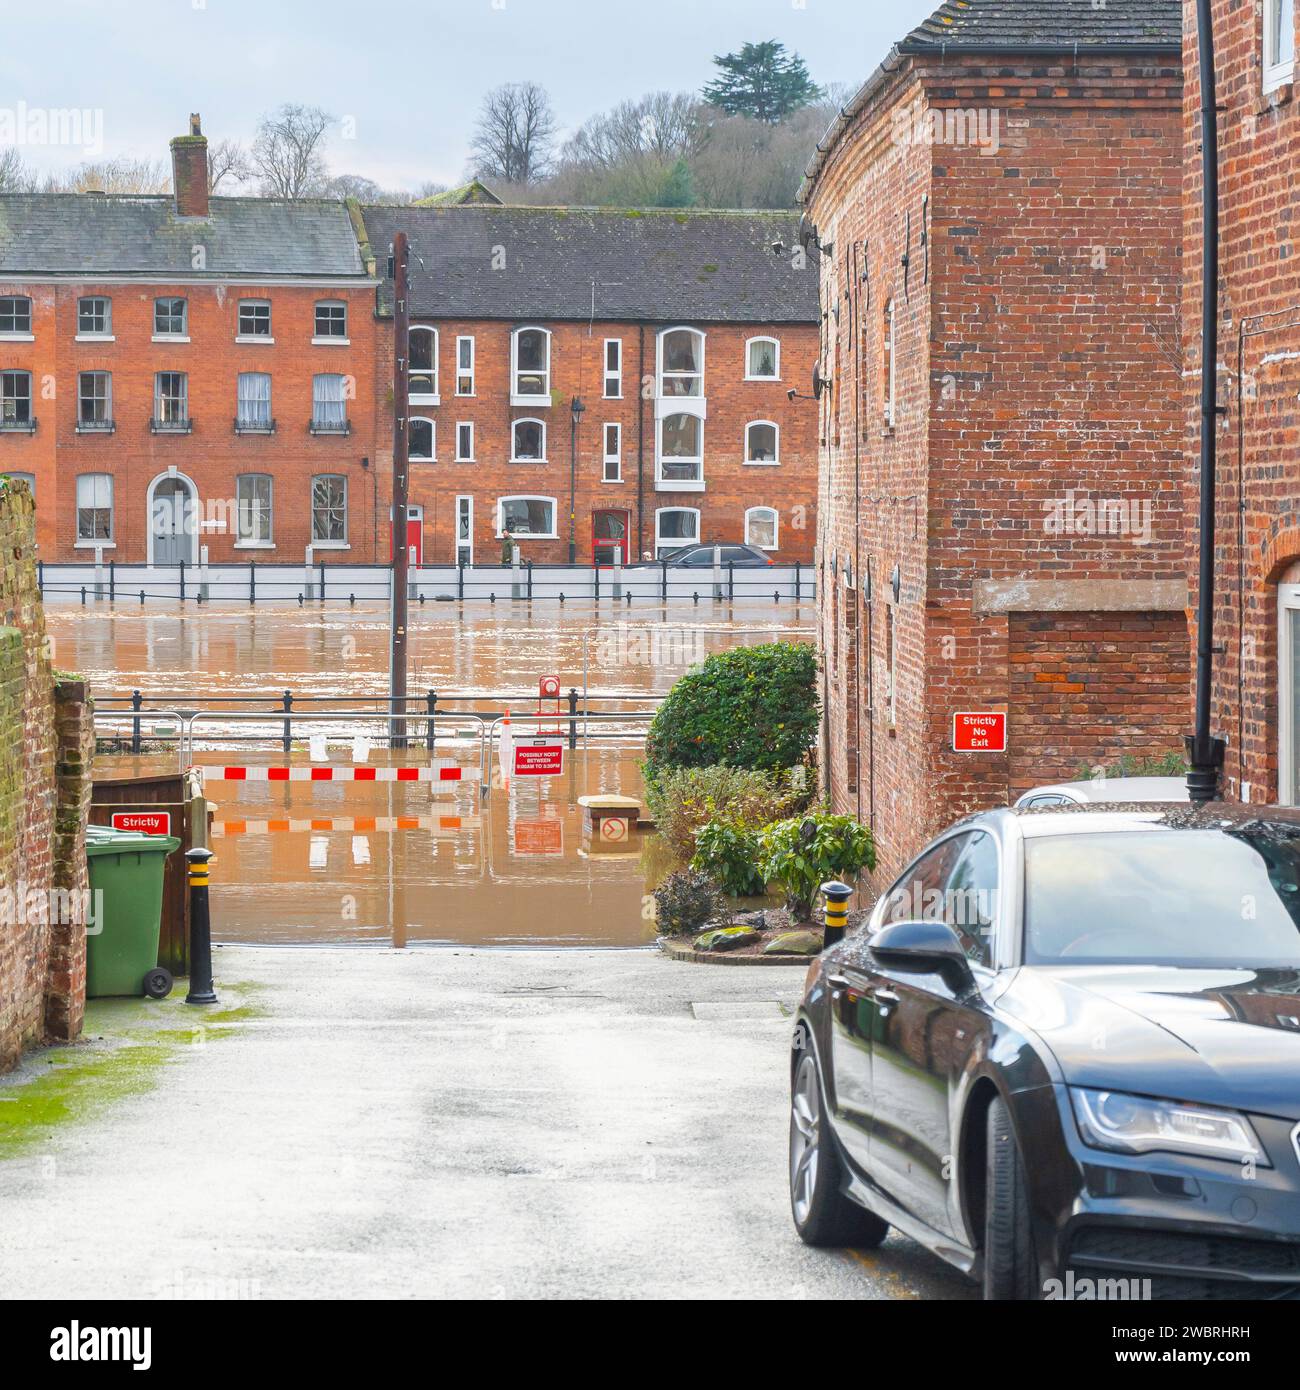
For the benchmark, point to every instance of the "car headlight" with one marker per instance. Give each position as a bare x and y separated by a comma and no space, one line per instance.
1138,1125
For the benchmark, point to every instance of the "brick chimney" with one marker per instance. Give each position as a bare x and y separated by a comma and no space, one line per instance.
190,171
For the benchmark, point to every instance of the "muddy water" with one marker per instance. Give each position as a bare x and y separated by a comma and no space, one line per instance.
409,863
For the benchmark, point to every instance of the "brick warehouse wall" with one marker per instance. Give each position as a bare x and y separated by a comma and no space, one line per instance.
731,485
1036,363
1257,540
45,772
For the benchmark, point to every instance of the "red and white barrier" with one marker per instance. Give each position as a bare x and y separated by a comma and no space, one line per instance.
356,824
442,770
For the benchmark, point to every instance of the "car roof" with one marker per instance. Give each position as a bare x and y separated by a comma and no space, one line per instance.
1118,789
1034,822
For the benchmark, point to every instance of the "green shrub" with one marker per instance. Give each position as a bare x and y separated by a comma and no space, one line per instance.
752,707
682,799
730,854
685,902
1171,764
802,853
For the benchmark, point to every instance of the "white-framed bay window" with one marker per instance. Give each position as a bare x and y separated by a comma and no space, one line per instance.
762,527
679,463
527,518
253,493
530,366
675,527
1279,43
681,408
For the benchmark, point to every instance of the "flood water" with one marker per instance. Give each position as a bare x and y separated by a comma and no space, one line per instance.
408,863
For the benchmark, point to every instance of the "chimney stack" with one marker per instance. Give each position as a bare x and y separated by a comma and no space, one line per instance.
190,171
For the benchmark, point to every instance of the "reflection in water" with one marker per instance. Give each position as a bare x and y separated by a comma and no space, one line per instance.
408,863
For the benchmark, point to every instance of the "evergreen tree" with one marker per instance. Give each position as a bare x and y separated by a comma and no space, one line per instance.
678,189
762,81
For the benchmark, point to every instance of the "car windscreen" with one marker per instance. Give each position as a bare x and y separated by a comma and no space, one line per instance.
1164,897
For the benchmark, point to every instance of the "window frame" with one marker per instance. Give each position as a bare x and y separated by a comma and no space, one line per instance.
95,425
160,423
664,484
172,335
1276,71
889,363
615,374
242,543
515,457
615,457
14,334
466,373
243,426
776,527
95,335
330,427
325,543
91,541
254,307
776,344
541,399
465,425
675,542
775,460
457,544
552,535
433,397
661,374
330,339
13,424
432,455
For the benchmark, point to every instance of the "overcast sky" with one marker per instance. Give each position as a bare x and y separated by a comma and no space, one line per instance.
410,75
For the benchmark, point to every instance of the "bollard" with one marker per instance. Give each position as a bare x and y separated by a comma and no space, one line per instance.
137,701
287,737
837,897
573,718
201,991
430,704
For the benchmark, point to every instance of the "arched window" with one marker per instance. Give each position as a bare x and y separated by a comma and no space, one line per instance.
530,366
762,527
762,442
422,365
681,362
675,528
528,441
421,435
762,359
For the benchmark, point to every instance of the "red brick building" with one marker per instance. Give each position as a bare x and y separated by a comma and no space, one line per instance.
1001,482
681,334
1257,623
178,372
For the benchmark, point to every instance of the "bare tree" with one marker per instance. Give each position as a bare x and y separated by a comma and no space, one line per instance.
15,177
514,135
116,176
228,163
287,153
661,125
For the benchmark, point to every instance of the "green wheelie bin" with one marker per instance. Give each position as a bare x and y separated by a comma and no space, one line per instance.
126,883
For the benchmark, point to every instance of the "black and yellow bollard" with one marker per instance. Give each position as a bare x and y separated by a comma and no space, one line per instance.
201,991
837,897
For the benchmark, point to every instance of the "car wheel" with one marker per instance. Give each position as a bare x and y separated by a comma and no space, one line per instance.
1010,1270
823,1215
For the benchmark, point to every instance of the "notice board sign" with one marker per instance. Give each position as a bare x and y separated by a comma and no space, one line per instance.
538,758
979,731
144,822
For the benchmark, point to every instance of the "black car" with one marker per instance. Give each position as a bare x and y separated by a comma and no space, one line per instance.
1063,1053
701,557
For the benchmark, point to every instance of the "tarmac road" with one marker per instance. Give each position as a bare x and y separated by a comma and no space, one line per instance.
426,1123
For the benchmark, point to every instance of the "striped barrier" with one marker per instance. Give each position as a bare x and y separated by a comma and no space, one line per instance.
355,824
442,770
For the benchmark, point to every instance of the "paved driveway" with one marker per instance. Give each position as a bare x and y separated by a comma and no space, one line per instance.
426,1123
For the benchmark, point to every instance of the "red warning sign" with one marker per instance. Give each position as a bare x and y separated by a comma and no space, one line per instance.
144,822
535,758
979,731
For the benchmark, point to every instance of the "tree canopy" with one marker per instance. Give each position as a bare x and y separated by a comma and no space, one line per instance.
762,81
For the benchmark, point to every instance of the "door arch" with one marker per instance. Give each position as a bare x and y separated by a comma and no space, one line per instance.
172,520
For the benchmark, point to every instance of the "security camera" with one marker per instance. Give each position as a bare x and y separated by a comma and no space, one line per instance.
791,394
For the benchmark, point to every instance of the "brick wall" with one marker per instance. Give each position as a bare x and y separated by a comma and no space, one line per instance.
44,796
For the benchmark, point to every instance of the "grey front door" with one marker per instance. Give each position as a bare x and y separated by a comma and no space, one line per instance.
173,522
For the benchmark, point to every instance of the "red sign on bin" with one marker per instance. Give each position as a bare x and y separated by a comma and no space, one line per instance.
979,731
539,759
146,822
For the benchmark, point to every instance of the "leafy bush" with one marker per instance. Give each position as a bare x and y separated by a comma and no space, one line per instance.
752,707
802,853
682,799
730,853
685,902
1171,764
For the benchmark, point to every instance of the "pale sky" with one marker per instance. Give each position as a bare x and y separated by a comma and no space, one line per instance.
409,75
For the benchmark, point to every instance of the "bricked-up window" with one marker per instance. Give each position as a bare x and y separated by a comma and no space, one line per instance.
170,317
329,405
465,365
253,403
16,401
888,371
527,517
331,319
465,442
329,509
422,365
95,316
421,434
762,442
762,360
1279,43
254,318
613,453
681,362
613,387
681,450
171,401
94,401
16,314
675,528
762,527
95,507
530,365
528,441
253,509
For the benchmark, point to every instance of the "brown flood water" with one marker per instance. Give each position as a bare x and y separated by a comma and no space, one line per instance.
410,863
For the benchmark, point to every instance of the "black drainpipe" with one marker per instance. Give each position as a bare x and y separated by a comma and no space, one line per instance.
640,443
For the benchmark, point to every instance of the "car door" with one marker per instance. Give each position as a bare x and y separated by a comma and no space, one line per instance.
854,1018
923,1032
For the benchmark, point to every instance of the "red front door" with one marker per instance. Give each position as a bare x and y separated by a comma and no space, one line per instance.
609,534
414,534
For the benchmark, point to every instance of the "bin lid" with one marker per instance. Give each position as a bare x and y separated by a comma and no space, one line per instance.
104,839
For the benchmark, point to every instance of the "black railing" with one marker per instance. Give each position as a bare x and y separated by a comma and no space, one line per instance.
254,426
157,426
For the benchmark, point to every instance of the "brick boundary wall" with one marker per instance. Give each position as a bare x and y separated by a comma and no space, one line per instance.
46,751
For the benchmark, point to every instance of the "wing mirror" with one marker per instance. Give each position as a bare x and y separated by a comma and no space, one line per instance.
924,948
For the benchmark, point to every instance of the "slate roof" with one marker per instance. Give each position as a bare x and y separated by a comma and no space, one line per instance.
475,191
93,234
1054,24
651,266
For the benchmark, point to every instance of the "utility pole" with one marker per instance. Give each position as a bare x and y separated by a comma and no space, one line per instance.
1205,751
401,465
576,408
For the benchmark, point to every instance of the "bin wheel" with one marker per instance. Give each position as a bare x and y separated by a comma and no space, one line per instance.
158,983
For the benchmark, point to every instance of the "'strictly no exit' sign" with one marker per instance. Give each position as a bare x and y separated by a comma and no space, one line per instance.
146,822
979,731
